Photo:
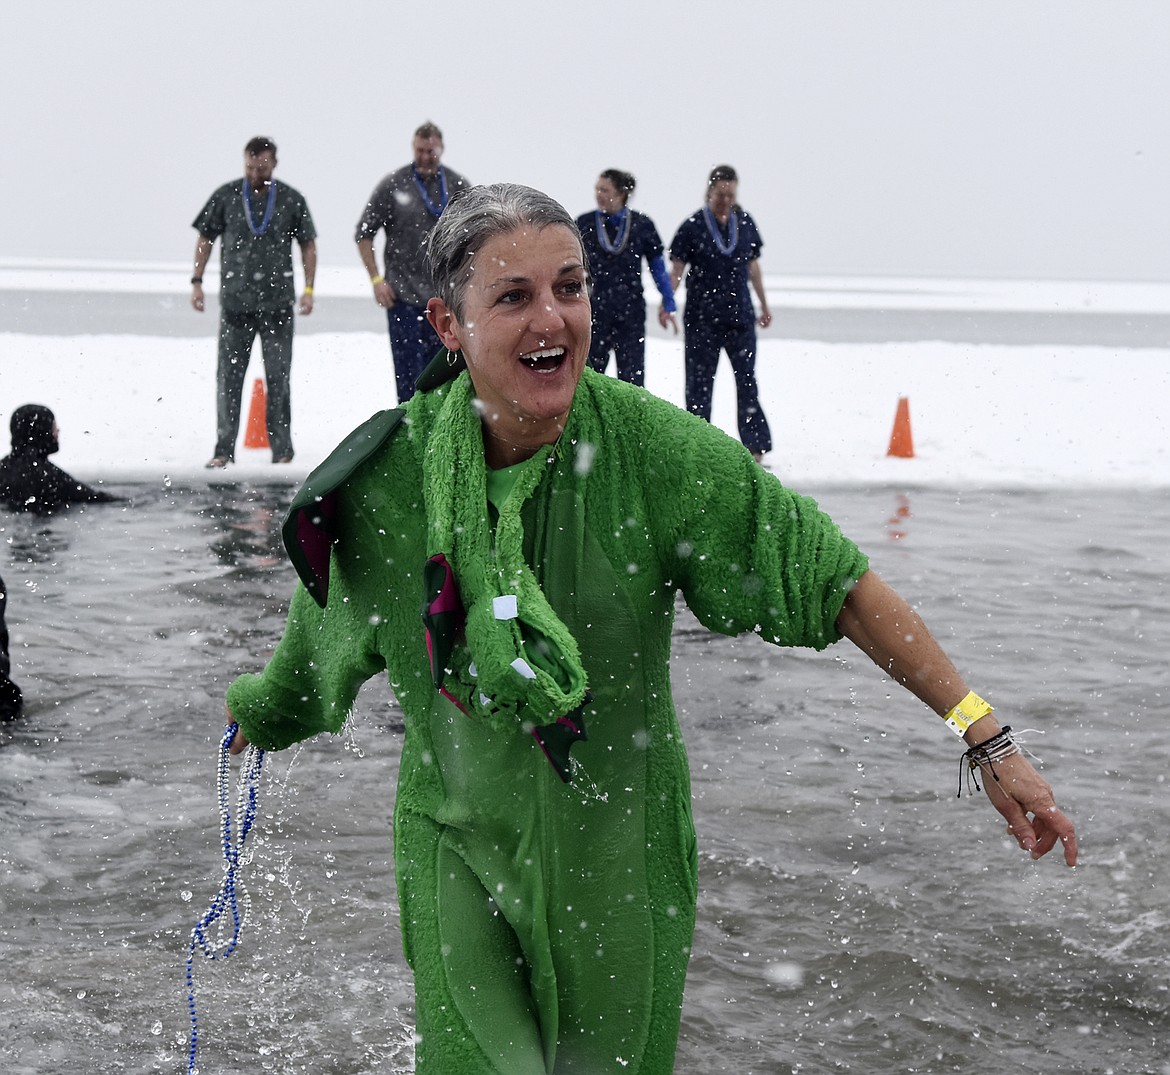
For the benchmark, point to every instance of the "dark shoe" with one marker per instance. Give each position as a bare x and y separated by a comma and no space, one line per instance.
217,462
282,458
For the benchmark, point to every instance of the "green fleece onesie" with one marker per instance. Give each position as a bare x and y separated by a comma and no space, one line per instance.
549,924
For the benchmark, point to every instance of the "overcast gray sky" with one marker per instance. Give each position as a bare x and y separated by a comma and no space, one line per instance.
1018,138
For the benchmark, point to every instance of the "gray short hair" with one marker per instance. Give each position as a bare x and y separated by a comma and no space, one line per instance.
475,216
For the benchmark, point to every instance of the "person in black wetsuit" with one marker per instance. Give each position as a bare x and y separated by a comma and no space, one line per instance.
28,481
11,700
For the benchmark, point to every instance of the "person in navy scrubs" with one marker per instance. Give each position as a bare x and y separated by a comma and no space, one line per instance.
718,250
616,239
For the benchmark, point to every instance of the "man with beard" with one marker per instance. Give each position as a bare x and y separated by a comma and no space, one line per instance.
258,220
406,204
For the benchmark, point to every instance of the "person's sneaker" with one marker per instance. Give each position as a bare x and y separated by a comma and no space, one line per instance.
217,462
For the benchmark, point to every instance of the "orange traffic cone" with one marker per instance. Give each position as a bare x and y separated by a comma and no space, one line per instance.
256,433
901,443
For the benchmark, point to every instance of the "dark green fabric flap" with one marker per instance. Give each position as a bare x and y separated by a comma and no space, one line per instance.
308,529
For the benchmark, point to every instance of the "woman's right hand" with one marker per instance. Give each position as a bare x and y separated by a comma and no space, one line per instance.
239,741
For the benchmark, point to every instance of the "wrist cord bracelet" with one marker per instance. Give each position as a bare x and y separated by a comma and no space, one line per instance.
998,748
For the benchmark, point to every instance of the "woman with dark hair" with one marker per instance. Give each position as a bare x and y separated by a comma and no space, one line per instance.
616,239
718,250
545,517
28,481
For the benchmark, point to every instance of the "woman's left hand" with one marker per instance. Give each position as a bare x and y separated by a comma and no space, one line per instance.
1025,800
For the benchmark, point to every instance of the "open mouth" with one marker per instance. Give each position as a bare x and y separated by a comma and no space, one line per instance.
548,360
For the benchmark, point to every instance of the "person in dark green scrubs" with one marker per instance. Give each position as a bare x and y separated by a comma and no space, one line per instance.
257,220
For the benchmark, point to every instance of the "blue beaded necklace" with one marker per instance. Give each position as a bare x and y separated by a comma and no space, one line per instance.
435,210
617,245
271,203
725,247
231,893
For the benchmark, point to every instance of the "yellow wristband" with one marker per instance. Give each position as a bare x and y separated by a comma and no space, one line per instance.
376,280
966,713
308,289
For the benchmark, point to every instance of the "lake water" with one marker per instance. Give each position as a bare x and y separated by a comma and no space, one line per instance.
854,916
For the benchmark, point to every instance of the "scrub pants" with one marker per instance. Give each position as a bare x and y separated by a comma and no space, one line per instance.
237,332
413,344
702,345
626,338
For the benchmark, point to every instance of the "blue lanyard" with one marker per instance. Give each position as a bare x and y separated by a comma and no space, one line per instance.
271,204
435,211
729,246
618,244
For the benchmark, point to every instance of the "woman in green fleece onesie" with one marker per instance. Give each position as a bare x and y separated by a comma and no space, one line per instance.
545,517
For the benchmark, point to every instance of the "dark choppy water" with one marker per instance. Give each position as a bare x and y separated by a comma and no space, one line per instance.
854,916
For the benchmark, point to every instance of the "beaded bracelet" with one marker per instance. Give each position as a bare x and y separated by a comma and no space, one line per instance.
998,748
376,280
960,717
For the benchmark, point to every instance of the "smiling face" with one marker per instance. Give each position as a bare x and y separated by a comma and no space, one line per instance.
524,334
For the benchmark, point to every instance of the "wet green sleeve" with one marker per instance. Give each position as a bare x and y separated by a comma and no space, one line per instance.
310,683
747,552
